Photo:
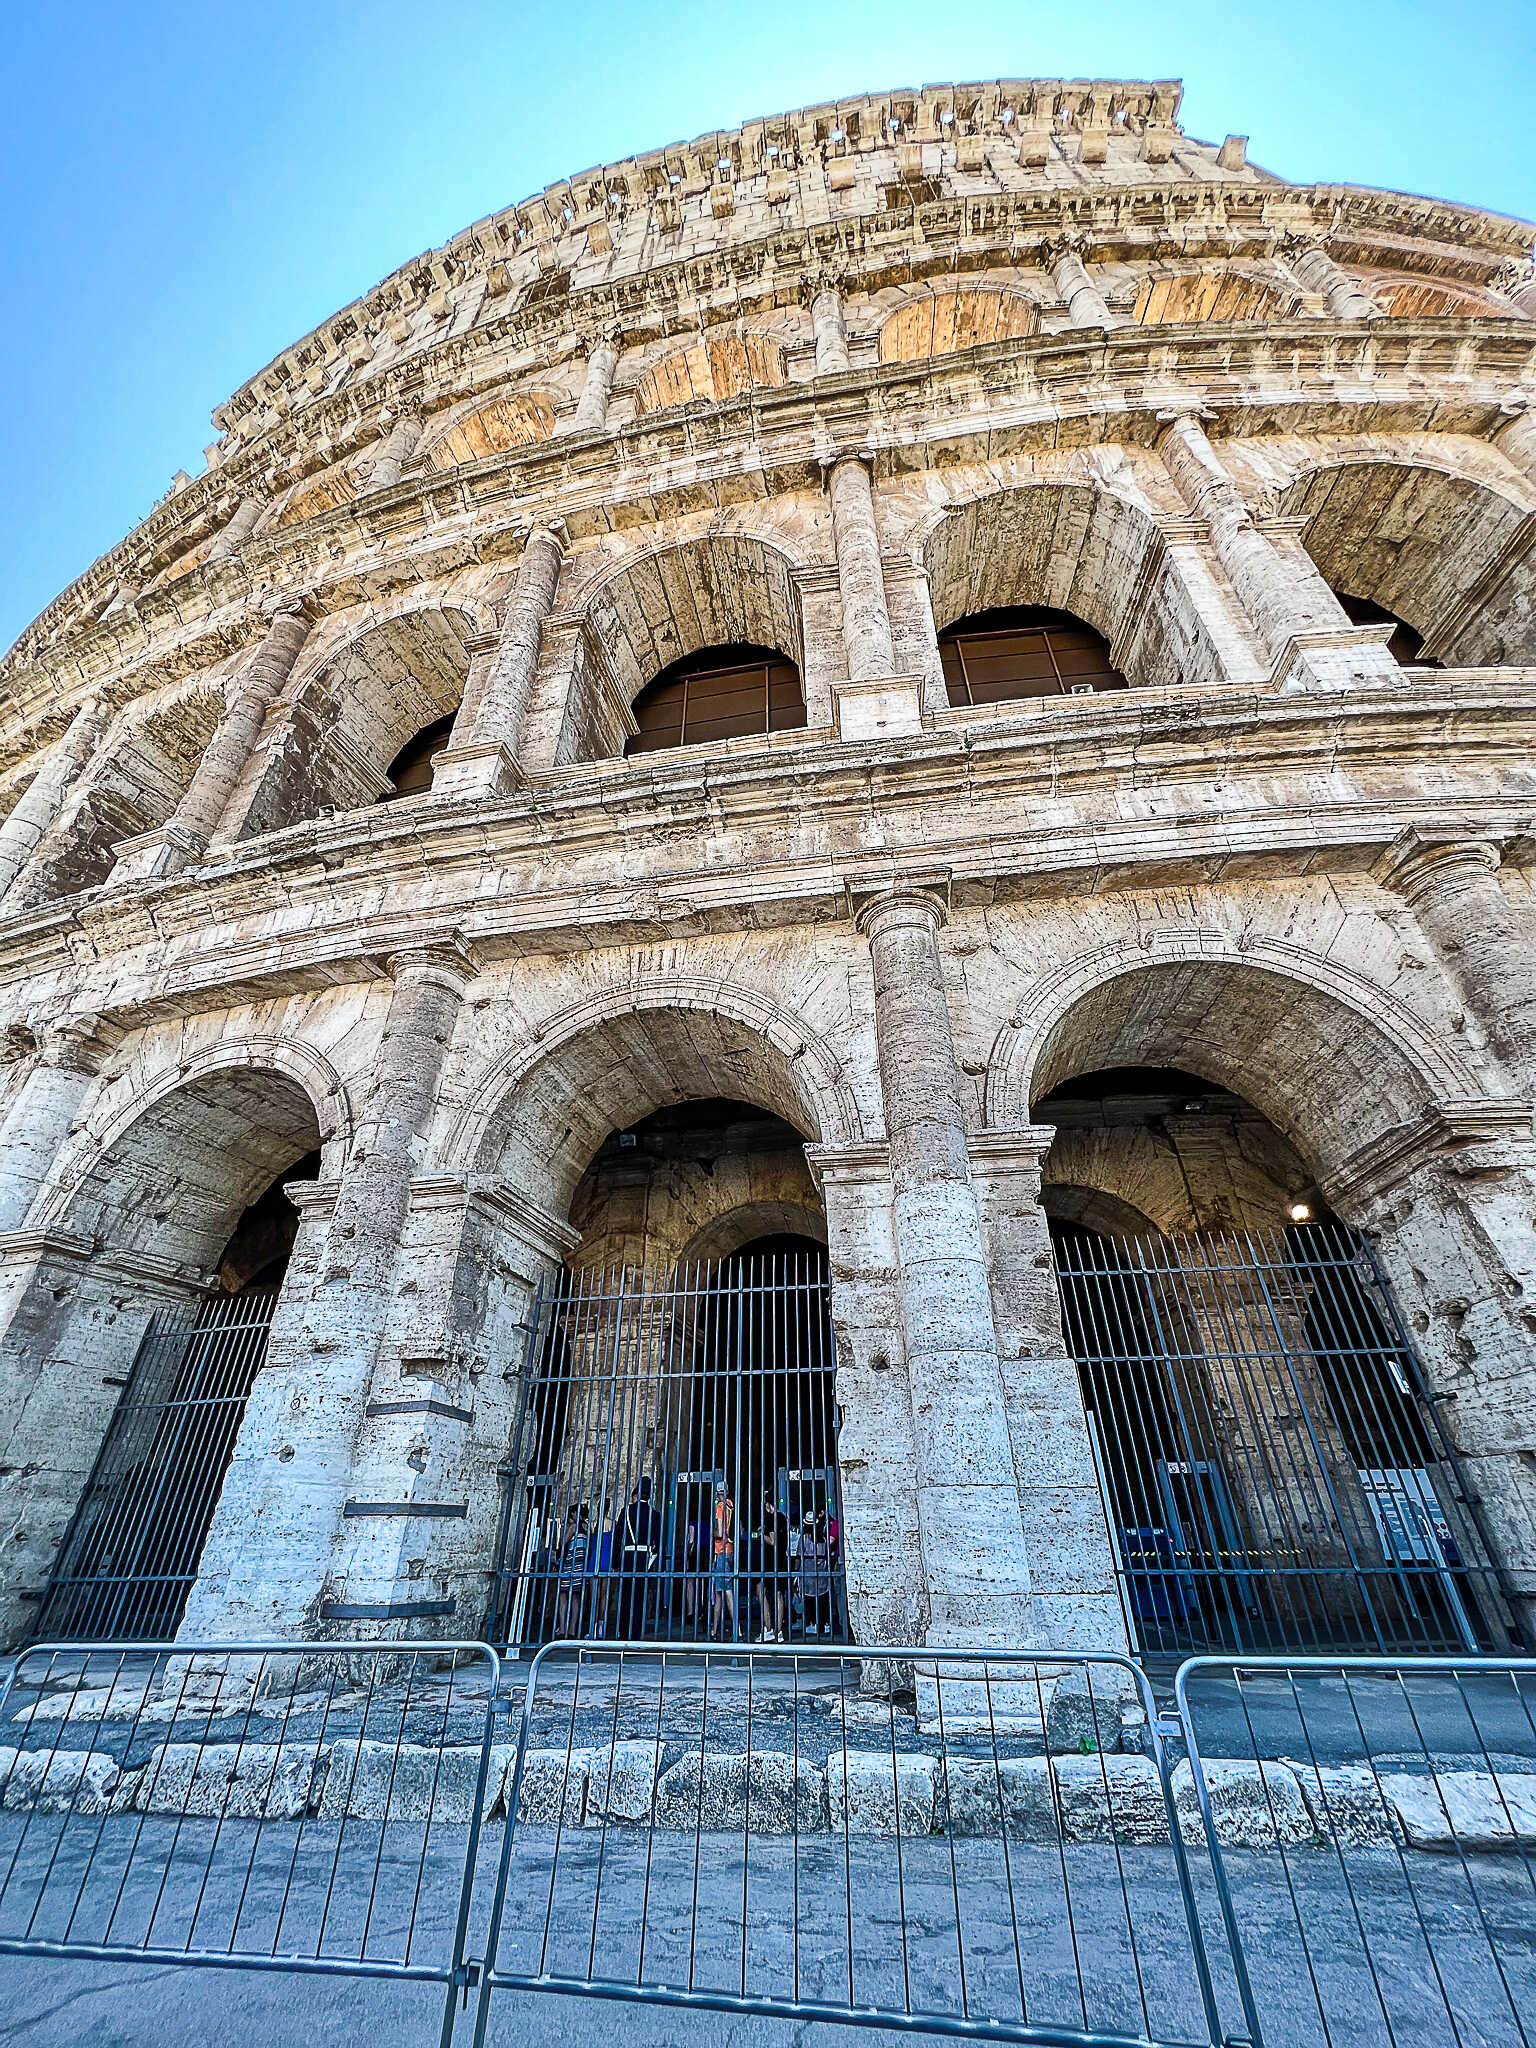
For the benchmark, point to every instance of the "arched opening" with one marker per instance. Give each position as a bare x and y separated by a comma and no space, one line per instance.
411,771
1274,1473
676,1457
1436,552
942,322
517,420
720,693
196,1229
376,710
721,365
1209,295
1406,645
1412,299
1017,651
723,597
1075,549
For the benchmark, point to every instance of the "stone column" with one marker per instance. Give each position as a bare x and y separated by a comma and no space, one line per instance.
860,578
1348,298
43,798
195,822
237,529
591,415
1452,887
400,445
481,759
292,1472
1077,1601
1080,294
827,325
974,1562
69,1057
1302,625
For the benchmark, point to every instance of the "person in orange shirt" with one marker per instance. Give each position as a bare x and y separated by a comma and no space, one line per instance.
722,1571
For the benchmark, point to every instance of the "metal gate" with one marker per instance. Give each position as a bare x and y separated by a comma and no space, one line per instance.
130,1555
1273,1468
673,1473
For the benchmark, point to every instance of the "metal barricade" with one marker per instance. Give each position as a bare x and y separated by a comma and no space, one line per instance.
312,1809
1371,1824
746,1831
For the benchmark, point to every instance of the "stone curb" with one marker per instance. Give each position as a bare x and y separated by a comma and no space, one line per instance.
1108,1797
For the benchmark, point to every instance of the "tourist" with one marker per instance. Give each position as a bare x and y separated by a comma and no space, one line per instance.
722,1562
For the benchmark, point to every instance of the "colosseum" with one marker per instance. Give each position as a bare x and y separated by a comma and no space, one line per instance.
591,1046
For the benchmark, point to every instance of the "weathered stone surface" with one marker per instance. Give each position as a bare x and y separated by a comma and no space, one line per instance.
251,1780
368,1780
621,1782
767,1793
553,1791
981,1797
1464,1810
873,1794
1085,1707
57,1781
1111,1798
1276,853
1254,1805
1348,1805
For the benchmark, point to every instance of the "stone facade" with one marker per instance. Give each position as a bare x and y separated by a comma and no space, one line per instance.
827,384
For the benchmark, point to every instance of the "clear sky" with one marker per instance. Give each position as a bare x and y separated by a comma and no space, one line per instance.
189,188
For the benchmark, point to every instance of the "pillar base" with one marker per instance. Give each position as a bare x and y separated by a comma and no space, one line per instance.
879,708
152,854
480,771
1336,660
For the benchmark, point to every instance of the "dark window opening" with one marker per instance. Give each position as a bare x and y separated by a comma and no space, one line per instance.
1406,646
410,773
993,657
721,693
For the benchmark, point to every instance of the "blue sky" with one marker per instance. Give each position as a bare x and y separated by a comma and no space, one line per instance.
188,188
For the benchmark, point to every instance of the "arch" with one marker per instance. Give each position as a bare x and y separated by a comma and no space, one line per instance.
1075,548
314,495
996,657
950,318
725,363
1412,298
355,709
737,1228
141,769
166,1171
128,1096
1443,552
1328,1056
538,1115
1212,293
717,590
516,419
1091,1208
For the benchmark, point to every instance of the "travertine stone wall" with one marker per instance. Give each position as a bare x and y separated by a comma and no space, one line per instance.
829,383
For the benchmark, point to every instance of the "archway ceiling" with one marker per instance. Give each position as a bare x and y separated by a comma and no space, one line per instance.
1323,1076
617,1072
707,593
1418,542
175,1182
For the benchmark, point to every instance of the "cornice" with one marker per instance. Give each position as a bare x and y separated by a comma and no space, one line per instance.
323,881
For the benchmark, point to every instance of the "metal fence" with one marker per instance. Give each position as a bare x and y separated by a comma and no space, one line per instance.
989,1845
314,1810
1371,1826
130,1554
1274,1470
752,1834
673,1473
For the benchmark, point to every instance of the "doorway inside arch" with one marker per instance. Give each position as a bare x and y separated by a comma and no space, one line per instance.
131,1551
674,1472
1274,1473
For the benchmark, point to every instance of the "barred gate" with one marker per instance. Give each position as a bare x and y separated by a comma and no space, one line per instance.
1274,1470
673,1472
130,1554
